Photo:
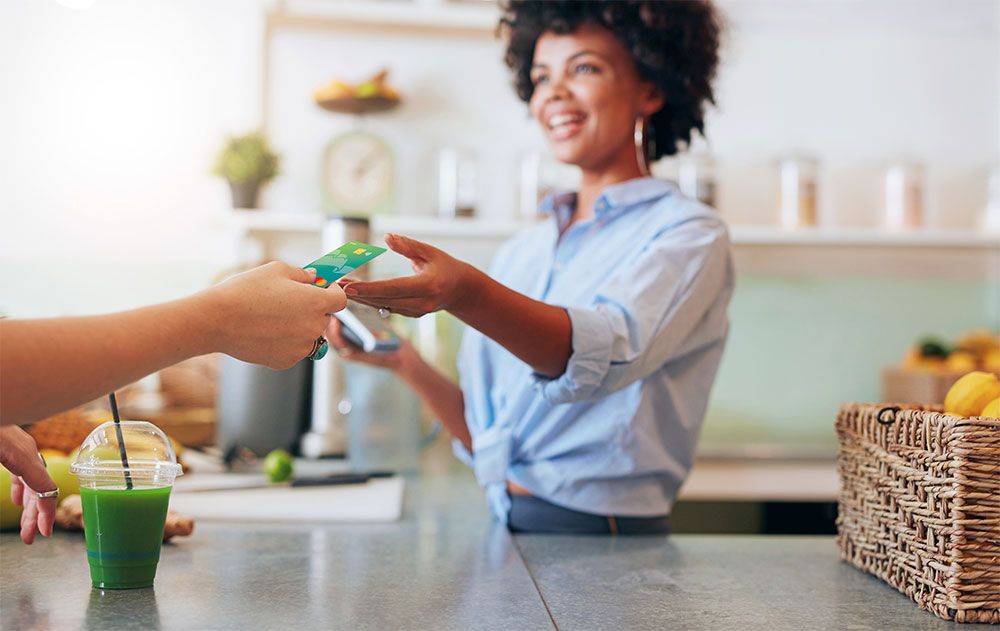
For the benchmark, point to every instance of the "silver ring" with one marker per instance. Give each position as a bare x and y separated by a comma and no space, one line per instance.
319,350
383,312
48,494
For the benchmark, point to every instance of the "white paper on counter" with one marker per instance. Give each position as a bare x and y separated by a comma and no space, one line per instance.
378,500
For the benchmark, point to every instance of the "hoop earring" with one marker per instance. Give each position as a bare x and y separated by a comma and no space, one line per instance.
644,141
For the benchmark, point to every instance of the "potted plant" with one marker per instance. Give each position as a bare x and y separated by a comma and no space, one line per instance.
246,162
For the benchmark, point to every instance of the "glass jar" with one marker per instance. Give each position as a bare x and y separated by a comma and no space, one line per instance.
798,191
457,186
540,176
904,196
696,178
991,213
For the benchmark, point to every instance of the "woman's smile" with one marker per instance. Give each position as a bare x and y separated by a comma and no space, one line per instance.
564,124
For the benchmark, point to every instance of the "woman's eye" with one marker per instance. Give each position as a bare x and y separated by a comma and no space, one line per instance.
585,69
537,79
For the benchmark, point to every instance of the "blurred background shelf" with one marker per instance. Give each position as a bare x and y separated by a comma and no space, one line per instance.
478,19
434,227
851,237
254,220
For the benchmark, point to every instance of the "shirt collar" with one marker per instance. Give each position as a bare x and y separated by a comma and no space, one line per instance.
614,198
561,204
626,194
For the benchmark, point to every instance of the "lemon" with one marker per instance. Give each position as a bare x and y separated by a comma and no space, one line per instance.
960,361
992,409
278,465
10,513
991,360
51,453
971,393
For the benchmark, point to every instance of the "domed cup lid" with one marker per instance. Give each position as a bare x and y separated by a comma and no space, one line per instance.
150,457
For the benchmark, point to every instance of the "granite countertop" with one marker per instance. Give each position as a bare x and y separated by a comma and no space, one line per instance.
447,566
713,582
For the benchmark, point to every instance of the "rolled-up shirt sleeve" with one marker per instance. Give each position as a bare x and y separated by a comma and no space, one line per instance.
463,454
656,309
490,455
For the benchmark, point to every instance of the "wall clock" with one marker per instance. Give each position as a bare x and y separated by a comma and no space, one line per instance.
358,173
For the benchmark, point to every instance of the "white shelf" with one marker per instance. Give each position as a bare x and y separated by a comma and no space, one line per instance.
437,16
251,220
263,221
459,228
419,17
864,237
269,221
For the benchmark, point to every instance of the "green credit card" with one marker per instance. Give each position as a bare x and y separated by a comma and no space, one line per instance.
342,261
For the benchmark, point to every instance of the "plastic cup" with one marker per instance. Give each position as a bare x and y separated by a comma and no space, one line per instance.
125,509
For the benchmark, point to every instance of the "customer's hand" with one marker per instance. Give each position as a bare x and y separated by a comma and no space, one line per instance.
440,281
272,314
19,454
395,360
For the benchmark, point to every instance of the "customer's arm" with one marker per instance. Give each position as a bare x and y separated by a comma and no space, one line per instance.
270,315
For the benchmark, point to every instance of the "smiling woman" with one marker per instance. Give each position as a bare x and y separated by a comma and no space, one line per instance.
670,47
595,339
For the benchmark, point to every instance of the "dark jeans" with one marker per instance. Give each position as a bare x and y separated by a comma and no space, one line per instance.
530,514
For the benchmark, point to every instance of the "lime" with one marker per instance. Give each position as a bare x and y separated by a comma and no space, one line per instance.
933,347
278,465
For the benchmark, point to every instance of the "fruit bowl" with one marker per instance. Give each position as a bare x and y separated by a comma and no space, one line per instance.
358,105
373,95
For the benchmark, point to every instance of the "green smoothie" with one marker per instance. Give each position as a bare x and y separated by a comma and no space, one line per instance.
124,530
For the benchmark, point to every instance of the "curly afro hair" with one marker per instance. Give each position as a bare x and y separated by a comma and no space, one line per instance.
675,44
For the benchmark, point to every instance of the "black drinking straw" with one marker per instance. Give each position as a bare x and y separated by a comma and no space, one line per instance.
121,441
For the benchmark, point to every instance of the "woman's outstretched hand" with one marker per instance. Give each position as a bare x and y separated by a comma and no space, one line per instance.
440,282
539,334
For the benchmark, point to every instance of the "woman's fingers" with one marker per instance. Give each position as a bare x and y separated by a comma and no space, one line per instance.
46,515
409,307
17,491
333,335
410,248
29,520
405,287
19,454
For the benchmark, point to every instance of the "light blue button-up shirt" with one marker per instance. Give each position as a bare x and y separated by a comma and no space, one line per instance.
646,283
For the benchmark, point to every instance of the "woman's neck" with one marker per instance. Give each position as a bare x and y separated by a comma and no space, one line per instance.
595,181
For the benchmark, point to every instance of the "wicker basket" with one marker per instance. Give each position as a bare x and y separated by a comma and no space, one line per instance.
920,505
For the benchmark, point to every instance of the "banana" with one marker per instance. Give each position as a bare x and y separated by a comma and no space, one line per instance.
970,394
